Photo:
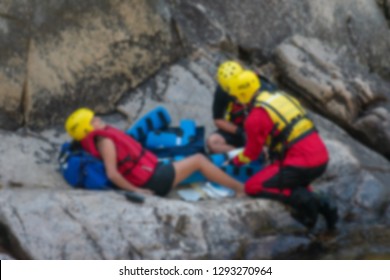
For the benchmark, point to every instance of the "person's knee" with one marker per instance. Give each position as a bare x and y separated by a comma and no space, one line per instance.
197,160
253,186
211,139
250,190
200,158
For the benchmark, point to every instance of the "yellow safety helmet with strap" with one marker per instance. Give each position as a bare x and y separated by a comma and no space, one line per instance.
78,124
226,71
289,117
244,86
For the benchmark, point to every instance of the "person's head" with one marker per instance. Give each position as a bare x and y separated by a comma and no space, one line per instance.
244,86
226,71
81,122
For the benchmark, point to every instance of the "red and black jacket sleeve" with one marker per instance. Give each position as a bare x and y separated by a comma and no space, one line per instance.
258,126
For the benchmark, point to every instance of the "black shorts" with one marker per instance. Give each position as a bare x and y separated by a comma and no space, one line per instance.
232,139
162,179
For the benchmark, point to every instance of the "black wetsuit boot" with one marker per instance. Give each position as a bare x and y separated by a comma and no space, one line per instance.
304,207
327,209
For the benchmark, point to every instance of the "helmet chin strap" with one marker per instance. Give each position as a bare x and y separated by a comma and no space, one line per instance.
253,99
98,123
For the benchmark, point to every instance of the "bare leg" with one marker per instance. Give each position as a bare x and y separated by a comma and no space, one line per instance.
186,167
217,144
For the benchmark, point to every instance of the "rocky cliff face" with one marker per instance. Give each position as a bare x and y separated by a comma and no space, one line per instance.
385,6
129,56
77,224
346,92
257,27
60,55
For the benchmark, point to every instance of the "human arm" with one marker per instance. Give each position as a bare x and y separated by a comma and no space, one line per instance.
227,126
107,151
220,104
257,127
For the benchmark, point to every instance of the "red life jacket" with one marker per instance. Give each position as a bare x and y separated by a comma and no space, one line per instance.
236,113
135,163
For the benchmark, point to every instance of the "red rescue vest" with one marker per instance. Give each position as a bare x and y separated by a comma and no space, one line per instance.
135,163
236,113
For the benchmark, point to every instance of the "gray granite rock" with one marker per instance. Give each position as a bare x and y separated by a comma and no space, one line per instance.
344,91
103,225
28,160
59,55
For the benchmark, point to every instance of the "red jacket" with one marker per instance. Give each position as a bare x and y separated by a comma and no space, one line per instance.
307,152
236,113
135,163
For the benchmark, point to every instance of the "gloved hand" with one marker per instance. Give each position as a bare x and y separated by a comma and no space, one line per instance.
236,161
241,159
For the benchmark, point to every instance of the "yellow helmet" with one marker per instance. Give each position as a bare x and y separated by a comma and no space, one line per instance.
78,124
226,71
244,86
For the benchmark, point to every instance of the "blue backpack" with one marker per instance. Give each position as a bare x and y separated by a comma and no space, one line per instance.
82,170
154,133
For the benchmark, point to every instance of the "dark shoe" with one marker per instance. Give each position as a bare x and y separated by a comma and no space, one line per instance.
328,210
304,207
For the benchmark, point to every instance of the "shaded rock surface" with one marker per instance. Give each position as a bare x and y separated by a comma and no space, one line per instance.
254,28
356,176
5,257
186,89
28,160
60,55
385,5
96,225
346,92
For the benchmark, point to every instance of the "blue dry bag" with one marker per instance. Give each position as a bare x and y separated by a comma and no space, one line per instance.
82,170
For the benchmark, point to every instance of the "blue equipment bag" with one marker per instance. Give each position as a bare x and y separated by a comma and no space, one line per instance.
162,139
82,170
169,138
153,132
195,144
156,119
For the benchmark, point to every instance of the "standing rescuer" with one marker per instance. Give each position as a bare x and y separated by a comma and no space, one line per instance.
278,121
